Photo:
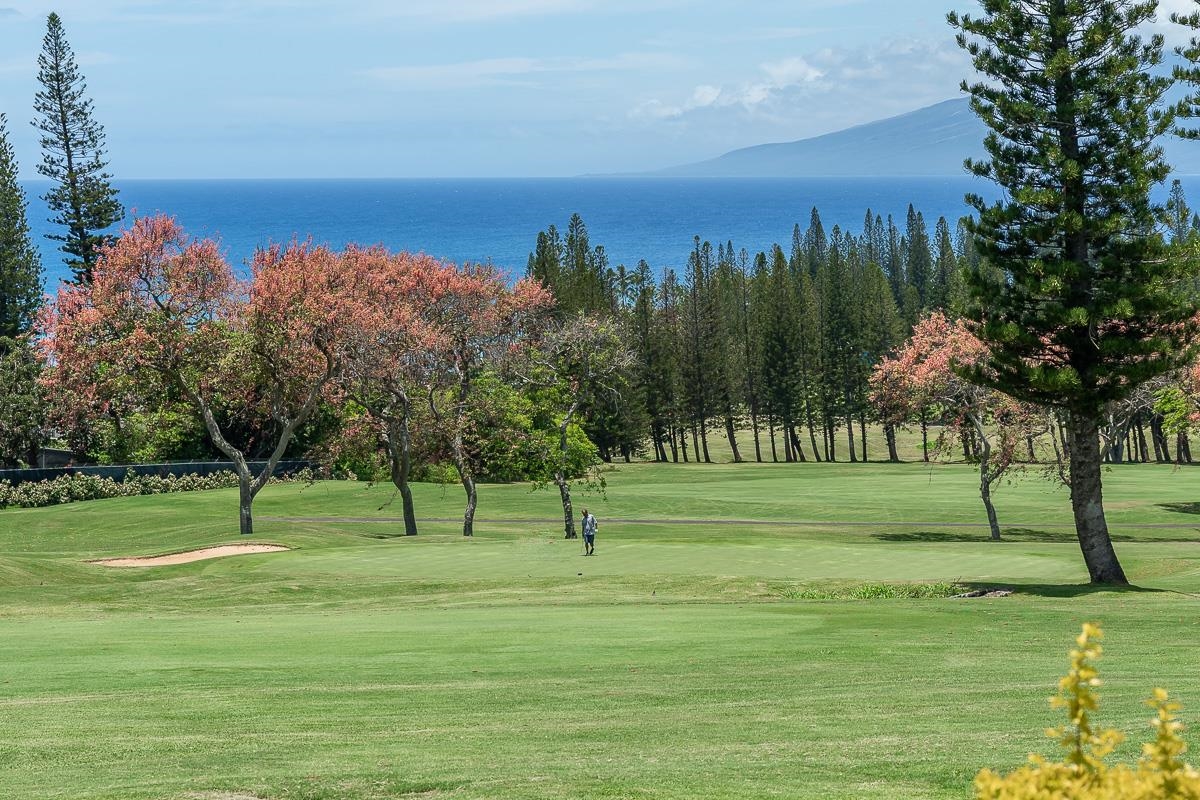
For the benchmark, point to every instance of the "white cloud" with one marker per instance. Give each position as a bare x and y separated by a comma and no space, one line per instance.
791,70
813,93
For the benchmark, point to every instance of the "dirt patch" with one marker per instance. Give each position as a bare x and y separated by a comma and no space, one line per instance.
191,555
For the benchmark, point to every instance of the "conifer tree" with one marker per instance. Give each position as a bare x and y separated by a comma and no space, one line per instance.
83,199
20,267
1087,307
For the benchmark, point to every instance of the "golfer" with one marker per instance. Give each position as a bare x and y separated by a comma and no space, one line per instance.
589,534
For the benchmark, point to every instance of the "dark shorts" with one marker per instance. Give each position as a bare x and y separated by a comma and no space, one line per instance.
589,538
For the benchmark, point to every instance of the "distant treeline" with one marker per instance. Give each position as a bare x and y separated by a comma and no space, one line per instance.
783,342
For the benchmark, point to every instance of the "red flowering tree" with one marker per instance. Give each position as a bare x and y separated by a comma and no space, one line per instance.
391,346
926,372
165,314
475,319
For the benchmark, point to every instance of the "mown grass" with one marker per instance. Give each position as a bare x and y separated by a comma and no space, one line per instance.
684,661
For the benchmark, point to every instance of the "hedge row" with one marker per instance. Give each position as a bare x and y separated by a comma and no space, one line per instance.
78,487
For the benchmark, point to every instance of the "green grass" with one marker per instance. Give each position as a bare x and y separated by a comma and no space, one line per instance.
684,661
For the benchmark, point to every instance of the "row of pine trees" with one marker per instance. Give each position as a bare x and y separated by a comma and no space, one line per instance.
780,344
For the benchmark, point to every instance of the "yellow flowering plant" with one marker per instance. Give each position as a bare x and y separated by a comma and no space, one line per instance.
1083,774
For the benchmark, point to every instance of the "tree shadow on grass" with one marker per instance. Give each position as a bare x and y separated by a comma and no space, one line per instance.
1181,508
1018,535
1061,589
1007,534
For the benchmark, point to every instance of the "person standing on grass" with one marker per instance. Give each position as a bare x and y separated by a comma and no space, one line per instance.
589,534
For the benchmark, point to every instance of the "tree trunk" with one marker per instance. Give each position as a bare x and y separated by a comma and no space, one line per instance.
771,430
468,482
731,435
695,442
862,435
791,432
1142,446
754,426
1087,502
674,446
400,455
704,439
889,434
850,438
245,502
1161,453
560,476
986,478
812,434
924,438
564,493
472,500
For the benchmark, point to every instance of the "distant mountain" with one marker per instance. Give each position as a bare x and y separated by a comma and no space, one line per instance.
931,141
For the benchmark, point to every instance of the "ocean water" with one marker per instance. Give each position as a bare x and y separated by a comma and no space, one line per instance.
499,219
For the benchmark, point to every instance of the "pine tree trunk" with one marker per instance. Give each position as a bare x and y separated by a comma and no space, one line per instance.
683,444
1161,454
1143,447
812,433
732,436
795,440
850,438
1087,502
695,443
758,457
674,446
862,435
771,430
889,435
704,439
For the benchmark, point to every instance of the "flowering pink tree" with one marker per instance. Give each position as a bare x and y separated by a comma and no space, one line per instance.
925,372
391,346
166,314
475,320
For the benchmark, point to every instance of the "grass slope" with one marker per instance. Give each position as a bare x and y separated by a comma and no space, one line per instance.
674,665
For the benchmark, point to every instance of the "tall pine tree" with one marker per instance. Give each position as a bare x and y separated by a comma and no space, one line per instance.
83,199
20,267
1087,307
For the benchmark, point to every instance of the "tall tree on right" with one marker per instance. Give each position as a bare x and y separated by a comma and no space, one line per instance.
1086,306
83,199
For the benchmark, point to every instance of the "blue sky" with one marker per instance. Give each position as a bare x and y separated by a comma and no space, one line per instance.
371,88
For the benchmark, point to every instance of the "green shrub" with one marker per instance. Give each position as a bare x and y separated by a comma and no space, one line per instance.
80,487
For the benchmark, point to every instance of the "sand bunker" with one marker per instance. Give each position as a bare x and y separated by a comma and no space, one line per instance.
191,555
